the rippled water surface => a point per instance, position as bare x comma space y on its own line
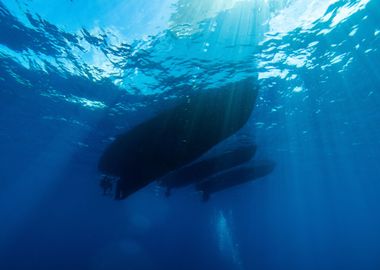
74, 74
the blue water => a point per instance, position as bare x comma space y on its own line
74, 74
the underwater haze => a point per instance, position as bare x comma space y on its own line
74, 74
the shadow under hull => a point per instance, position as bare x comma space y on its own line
234, 177
178, 136
203, 169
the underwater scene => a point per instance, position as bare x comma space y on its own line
190, 134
